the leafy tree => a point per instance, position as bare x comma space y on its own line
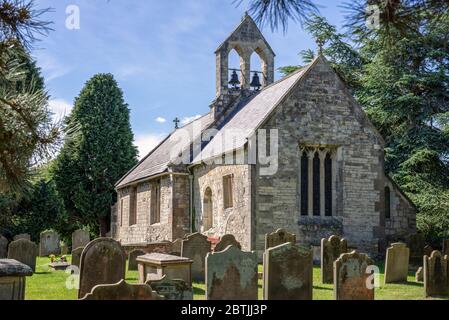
98, 150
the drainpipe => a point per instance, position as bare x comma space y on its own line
191, 200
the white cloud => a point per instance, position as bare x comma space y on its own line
161, 120
146, 142
51, 68
187, 120
60, 108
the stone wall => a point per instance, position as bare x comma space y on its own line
235, 220
320, 112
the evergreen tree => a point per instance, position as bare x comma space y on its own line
98, 150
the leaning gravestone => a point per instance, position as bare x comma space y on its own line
231, 274
49, 243
103, 261
278, 237
436, 275
80, 238
288, 273
25, 236
122, 291
23, 251
132, 256
196, 247
396, 263
331, 249
172, 289
76, 256
419, 275
3, 247
351, 277
225, 241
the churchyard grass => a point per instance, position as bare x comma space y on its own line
47, 284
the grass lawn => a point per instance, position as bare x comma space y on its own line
47, 284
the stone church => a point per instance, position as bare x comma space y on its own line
298, 153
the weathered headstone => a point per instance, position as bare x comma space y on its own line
288, 273
351, 277
416, 243
25, 236
196, 247
103, 261
172, 289
76, 256
122, 291
396, 263
419, 275
132, 256
64, 249
80, 238
331, 249
3, 247
23, 251
446, 247
12, 279
176, 247
278, 237
231, 274
49, 243
225, 241
436, 275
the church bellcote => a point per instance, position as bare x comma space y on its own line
246, 39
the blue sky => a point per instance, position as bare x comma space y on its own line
160, 52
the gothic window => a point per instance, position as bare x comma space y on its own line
304, 184
328, 185
316, 184
155, 212
387, 203
133, 206
122, 204
228, 182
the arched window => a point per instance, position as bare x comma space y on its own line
256, 65
387, 203
234, 69
316, 184
208, 222
328, 185
132, 219
304, 184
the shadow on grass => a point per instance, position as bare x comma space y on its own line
198, 291
323, 288
407, 283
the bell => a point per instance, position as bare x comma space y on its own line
255, 83
234, 79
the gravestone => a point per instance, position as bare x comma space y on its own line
76, 256
288, 273
80, 238
172, 289
64, 249
419, 275
49, 243
3, 247
122, 291
103, 261
428, 250
331, 249
446, 247
416, 243
278, 237
231, 274
396, 263
225, 241
351, 277
12, 279
132, 256
436, 275
25, 236
23, 251
176, 247
196, 247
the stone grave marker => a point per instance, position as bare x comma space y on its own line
172, 289
416, 244
428, 250
231, 274
331, 249
196, 247
103, 261
176, 247
80, 238
351, 277
436, 274
3, 247
12, 279
419, 275
288, 273
25, 236
49, 243
278, 237
396, 263
76, 256
23, 251
122, 291
132, 256
225, 241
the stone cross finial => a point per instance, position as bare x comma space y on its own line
176, 121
